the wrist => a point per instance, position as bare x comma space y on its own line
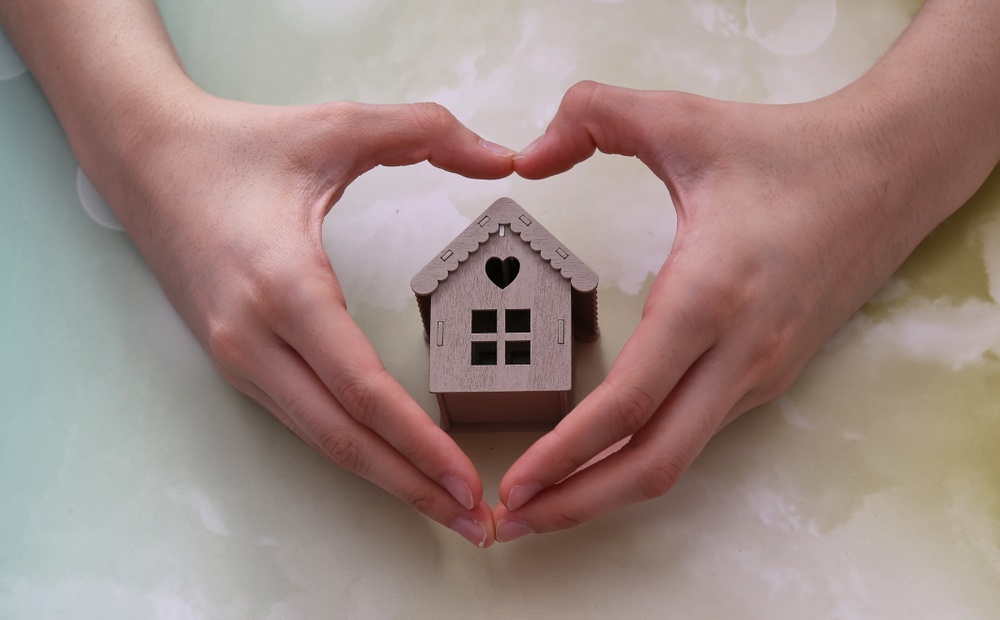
930, 105
119, 141
128, 120
907, 146
108, 69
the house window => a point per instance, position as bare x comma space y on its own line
484, 353
484, 321
517, 321
516, 352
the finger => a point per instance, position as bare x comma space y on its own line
316, 325
291, 391
647, 467
591, 116
668, 341
402, 134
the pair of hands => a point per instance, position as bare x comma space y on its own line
778, 243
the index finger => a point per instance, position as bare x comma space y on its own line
671, 337
593, 116
280, 380
317, 325
409, 133
646, 467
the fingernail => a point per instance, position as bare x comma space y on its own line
528, 150
520, 495
495, 148
508, 530
470, 530
460, 491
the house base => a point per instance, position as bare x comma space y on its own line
502, 411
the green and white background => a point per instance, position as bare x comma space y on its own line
134, 483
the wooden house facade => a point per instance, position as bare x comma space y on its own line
500, 307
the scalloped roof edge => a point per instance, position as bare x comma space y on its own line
505, 211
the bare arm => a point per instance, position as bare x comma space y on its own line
106, 67
789, 219
226, 202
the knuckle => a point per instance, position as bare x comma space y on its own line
660, 476
433, 117
767, 354
295, 407
553, 445
585, 105
416, 449
781, 385
344, 449
287, 295
567, 461
332, 112
580, 96
359, 394
231, 377
773, 390
565, 520
724, 300
702, 311
771, 354
632, 407
607, 114
227, 343
422, 501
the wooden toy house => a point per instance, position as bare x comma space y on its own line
500, 306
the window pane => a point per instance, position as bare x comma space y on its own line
518, 321
484, 321
518, 351
484, 353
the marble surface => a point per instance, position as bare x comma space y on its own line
134, 483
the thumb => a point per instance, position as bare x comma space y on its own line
592, 116
403, 134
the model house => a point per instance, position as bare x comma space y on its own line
500, 307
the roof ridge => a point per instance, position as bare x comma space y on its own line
504, 211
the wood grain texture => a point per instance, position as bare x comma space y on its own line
538, 289
507, 212
503, 410
502, 297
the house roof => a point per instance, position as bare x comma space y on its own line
507, 212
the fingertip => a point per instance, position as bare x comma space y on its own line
497, 149
512, 529
507, 526
521, 494
460, 491
528, 150
498, 162
477, 159
473, 531
476, 526
526, 162
561, 147
486, 517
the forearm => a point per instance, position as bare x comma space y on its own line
935, 101
106, 66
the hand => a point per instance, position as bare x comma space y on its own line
789, 219
226, 201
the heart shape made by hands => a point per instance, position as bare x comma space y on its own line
502, 272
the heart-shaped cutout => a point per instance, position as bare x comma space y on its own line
502, 272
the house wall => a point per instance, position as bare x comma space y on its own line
538, 287
503, 411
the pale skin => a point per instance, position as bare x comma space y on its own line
225, 200
789, 219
